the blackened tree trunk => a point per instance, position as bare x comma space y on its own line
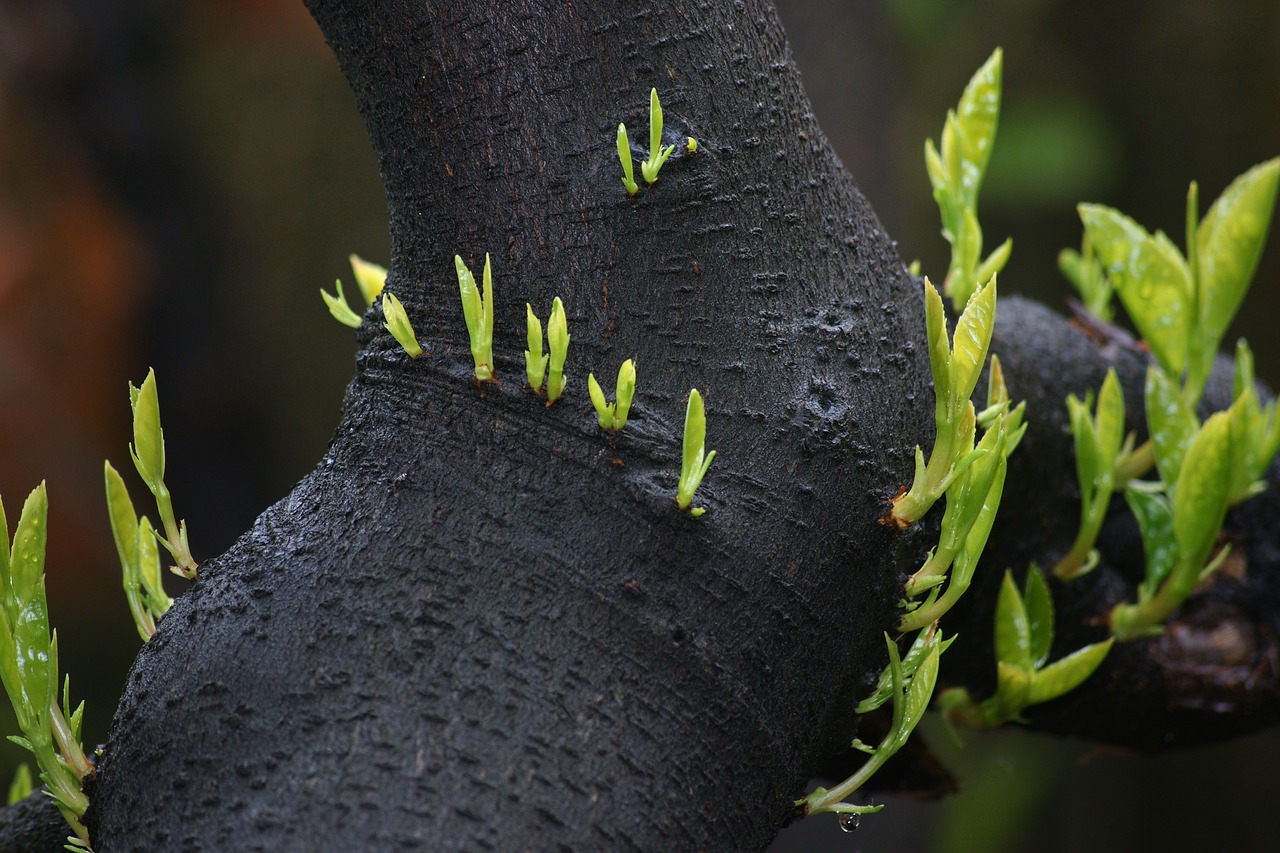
481, 622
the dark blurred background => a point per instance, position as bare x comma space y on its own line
178, 179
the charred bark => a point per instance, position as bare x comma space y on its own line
481, 622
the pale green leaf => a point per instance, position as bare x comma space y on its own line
1155, 523
1200, 501
148, 437
972, 338
1171, 423
1063, 676
1110, 420
1012, 630
1151, 277
1230, 241
976, 117
339, 308
370, 278
1039, 605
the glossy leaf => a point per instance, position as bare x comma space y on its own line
972, 338
1159, 544
148, 438
1229, 243
558, 339
339, 308
1200, 501
624, 156
977, 115
1064, 675
1151, 277
535, 363
1171, 423
939, 348
1012, 630
1038, 602
695, 461
397, 323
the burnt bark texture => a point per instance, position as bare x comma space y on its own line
482, 622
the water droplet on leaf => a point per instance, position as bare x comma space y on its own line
850, 821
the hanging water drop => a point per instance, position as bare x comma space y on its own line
850, 821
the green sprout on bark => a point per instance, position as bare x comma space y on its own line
147, 451
658, 153
694, 460
956, 368
29, 667
397, 323
558, 339
613, 416
1023, 639
691, 146
908, 683
1100, 446
139, 557
478, 311
535, 363
956, 175
370, 278
624, 155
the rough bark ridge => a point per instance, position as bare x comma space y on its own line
481, 623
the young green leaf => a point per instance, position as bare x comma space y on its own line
1230, 241
1171, 423
613, 416
1155, 523
535, 363
339, 308
397, 323
148, 438
1062, 676
558, 338
624, 155
1039, 607
972, 339
370, 278
694, 459
20, 788
1151, 277
1200, 499
477, 310
658, 154
1012, 630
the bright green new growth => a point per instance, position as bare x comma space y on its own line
478, 312
691, 146
147, 451
973, 498
910, 686
1023, 638
613, 416
658, 154
29, 666
370, 278
956, 369
1100, 445
695, 460
956, 176
338, 306
20, 788
397, 323
1181, 305
535, 363
624, 154
558, 339
1085, 273
139, 556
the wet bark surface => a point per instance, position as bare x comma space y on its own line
481, 622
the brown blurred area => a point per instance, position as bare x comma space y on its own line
178, 179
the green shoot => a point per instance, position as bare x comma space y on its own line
558, 339
910, 691
397, 323
1098, 440
956, 369
139, 557
1085, 273
535, 363
370, 278
624, 154
147, 451
658, 154
338, 306
956, 176
1023, 638
613, 416
1180, 526
29, 666
1257, 436
691, 146
478, 311
695, 460
20, 788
